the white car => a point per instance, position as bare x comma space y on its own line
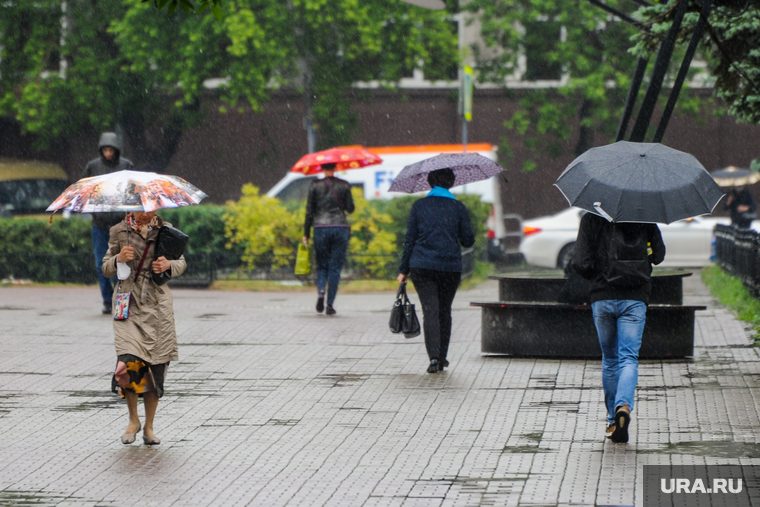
548, 241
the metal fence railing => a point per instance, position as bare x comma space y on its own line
738, 252
202, 268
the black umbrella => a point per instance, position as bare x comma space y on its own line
639, 182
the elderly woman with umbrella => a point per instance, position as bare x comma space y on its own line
628, 188
437, 226
144, 334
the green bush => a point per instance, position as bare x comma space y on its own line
204, 224
36, 250
400, 208
731, 292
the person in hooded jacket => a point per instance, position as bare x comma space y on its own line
110, 160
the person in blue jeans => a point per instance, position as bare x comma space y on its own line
619, 305
328, 201
110, 160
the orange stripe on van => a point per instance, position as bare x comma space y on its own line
425, 148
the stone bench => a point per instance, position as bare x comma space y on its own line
545, 285
556, 330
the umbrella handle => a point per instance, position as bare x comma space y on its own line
604, 214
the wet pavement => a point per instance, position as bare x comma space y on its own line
272, 404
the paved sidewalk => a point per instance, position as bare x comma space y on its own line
272, 404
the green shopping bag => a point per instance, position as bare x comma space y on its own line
303, 259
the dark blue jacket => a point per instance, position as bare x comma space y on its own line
436, 228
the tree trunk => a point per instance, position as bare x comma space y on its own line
152, 147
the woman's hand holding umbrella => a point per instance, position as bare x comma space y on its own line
127, 254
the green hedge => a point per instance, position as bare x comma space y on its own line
35, 250
400, 208
62, 251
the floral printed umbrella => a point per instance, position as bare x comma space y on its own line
345, 158
127, 191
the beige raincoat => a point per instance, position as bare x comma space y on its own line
149, 332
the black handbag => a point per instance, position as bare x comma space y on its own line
403, 316
170, 243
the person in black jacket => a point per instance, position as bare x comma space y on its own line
110, 160
437, 225
618, 304
742, 206
328, 202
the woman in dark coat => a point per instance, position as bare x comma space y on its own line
438, 225
326, 207
742, 206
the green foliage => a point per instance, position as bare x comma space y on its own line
35, 250
188, 6
730, 292
118, 63
478, 211
730, 48
592, 57
398, 209
371, 245
331, 44
266, 230
592, 54
204, 224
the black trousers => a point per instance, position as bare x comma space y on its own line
436, 290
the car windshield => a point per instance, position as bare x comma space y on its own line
29, 196
296, 190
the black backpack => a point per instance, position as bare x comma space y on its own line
627, 256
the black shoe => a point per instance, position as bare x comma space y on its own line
434, 367
106, 308
442, 363
330, 310
622, 421
320, 304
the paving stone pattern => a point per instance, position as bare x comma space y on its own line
272, 404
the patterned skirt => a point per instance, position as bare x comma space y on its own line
138, 376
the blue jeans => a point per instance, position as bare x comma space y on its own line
330, 245
100, 245
619, 324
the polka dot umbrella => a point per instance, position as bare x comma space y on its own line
345, 158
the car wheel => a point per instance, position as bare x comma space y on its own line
563, 259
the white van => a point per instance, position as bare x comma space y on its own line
376, 179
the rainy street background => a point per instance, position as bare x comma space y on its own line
272, 404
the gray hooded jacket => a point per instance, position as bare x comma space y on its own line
99, 166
